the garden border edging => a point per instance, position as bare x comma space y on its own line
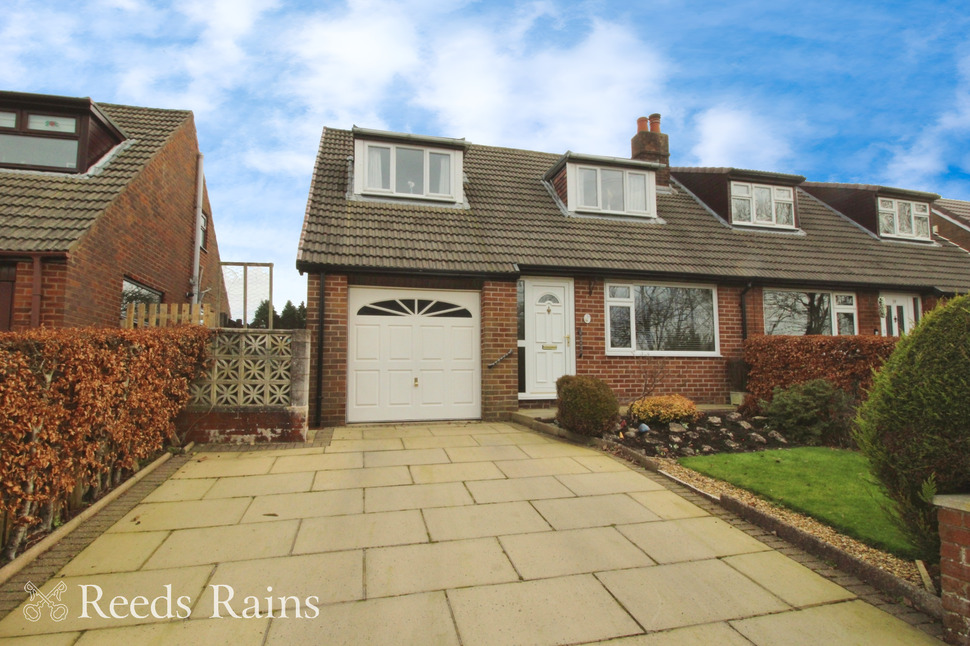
884, 581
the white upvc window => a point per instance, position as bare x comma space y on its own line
405, 170
598, 189
762, 205
904, 219
807, 312
661, 320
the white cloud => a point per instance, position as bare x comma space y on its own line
924, 163
740, 138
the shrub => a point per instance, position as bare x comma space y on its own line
914, 426
664, 409
847, 362
813, 413
586, 405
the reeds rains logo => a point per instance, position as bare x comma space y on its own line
33, 611
165, 605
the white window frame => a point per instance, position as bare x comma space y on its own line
575, 193
630, 301
891, 206
835, 308
777, 197
361, 170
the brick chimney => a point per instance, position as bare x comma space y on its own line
649, 144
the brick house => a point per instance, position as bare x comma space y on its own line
951, 219
448, 280
100, 204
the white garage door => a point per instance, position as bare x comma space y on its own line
413, 355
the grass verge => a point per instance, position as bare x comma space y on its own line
831, 485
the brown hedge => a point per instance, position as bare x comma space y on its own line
847, 362
79, 407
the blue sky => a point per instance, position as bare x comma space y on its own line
871, 92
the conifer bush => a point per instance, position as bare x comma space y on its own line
586, 405
914, 426
812, 413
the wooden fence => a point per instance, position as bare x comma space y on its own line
166, 314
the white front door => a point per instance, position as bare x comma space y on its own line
413, 355
900, 313
548, 310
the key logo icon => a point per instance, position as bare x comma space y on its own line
52, 600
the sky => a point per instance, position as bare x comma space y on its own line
863, 92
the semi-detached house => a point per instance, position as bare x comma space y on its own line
449, 280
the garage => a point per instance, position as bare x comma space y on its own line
413, 355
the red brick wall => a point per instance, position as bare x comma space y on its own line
333, 403
703, 379
500, 385
146, 234
53, 300
955, 572
244, 425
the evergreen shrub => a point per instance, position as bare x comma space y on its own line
586, 405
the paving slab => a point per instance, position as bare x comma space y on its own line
598, 463
358, 478
410, 620
432, 442
667, 504
594, 484
460, 472
416, 496
394, 432
841, 624
48, 639
249, 632
691, 539
577, 551
216, 465
683, 594
498, 439
425, 567
468, 429
383, 444
318, 462
292, 582
115, 553
508, 490
405, 457
474, 521
182, 515
593, 511
540, 467
260, 485
482, 453
186, 547
716, 634
178, 490
305, 505
360, 531
558, 450
791, 581
564, 610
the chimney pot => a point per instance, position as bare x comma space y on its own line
643, 124
655, 122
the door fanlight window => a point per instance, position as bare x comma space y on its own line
415, 307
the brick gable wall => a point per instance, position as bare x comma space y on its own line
147, 234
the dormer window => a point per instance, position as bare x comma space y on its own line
38, 140
611, 190
407, 171
45, 133
762, 205
904, 219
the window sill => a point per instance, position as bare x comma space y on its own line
687, 355
764, 226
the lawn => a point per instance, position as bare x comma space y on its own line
830, 485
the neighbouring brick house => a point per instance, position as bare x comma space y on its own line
952, 221
449, 280
100, 203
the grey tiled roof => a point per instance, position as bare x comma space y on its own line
515, 224
957, 209
44, 211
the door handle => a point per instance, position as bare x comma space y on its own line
567, 340
415, 382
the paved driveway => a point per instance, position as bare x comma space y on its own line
474, 534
